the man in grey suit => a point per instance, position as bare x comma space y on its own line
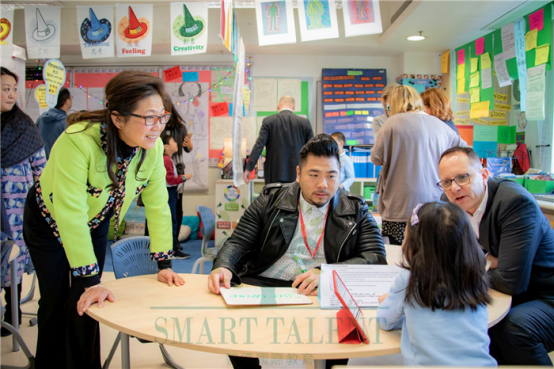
283, 135
519, 243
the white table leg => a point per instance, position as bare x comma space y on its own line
125, 354
15, 304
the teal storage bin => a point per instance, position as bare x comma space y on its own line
536, 186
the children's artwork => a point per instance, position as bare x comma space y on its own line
361, 17
191, 100
6, 34
96, 31
275, 21
318, 19
134, 29
42, 27
189, 28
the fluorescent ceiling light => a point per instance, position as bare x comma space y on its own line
419, 37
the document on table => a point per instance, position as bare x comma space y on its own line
263, 296
365, 282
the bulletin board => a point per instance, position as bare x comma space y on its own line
351, 98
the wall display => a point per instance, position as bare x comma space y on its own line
6, 34
134, 29
351, 99
96, 31
42, 27
223, 81
420, 82
318, 19
361, 17
275, 20
189, 28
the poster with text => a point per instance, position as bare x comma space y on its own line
318, 19
42, 31
189, 28
361, 17
96, 31
275, 21
6, 34
135, 23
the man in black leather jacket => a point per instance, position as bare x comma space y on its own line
269, 235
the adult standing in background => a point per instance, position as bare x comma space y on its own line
283, 135
52, 123
438, 105
408, 147
23, 160
347, 175
380, 120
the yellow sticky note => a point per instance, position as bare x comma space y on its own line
485, 61
474, 62
531, 39
474, 95
445, 61
480, 109
474, 81
461, 83
541, 54
461, 72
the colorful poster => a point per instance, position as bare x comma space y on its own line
223, 81
361, 17
189, 28
96, 31
275, 21
318, 19
134, 29
6, 34
42, 27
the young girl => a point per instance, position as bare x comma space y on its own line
440, 299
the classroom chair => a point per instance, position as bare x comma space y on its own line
131, 257
207, 219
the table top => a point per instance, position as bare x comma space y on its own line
14, 253
191, 317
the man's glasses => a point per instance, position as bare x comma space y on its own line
151, 120
460, 179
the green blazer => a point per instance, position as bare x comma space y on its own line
75, 189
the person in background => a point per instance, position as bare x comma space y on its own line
23, 160
378, 121
102, 161
408, 147
443, 281
347, 175
519, 243
437, 104
52, 123
291, 229
173, 180
283, 135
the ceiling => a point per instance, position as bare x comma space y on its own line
446, 24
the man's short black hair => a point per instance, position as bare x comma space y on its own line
472, 155
321, 145
62, 97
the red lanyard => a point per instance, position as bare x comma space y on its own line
303, 227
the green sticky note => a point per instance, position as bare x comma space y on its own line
507, 134
354, 73
350, 112
485, 133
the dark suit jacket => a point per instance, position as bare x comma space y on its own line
515, 230
283, 135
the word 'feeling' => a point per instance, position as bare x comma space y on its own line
133, 51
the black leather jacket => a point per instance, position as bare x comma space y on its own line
266, 229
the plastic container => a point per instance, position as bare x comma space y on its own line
537, 186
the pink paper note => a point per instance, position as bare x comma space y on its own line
536, 20
479, 46
461, 56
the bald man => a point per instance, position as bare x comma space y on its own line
283, 135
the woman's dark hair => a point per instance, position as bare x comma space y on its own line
322, 145
7, 72
446, 263
123, 93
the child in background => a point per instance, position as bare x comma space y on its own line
173, 180
439, 298
347, 175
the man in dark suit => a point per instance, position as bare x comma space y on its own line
283, 135
519, 243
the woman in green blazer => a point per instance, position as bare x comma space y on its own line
102, 161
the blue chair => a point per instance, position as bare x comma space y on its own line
131, 258
208, 226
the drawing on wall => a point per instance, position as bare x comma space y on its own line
274, 22
361, 17
43, 30
132, 29
188, 27
94, 30
361, 11
317, 14
5, 28
192, 104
